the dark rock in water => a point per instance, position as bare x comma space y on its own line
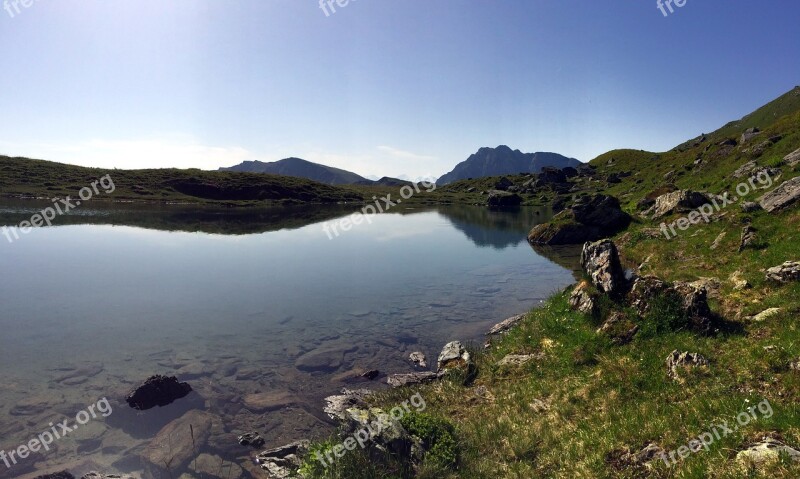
97, 475
158, 391
283, 462
252, 439
372, 374
58, 475
499, 198
589, 219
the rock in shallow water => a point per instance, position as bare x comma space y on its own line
158, 391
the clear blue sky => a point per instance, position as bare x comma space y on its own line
380, 87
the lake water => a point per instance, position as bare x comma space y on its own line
239, 303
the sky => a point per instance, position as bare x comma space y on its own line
382, 88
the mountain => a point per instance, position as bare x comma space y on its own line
301, 169
385, 181
504, 161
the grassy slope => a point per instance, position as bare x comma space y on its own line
601, 399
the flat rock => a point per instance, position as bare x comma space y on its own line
269, 401
764, 315
785, 273
178, 442
792, 158
336, 406
408, 379
781, 197
767, 450
517, 359
678, 201
327, 359
206, 465
283, 462
506, 325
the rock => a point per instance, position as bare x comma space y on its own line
748, 238
499, 199
589, 219
506, 325
792, 158
157, 391
765, 451
335, 406
766, 314
549, 176
749, 134
419, 359
389, 435
325, 359
252, 439
57, 475
177, 443
97, 475
745, 169
503, 184
644, 290
695, 306
600, 261
569, 171
283, 462
622, 459
372, 374
678, 201
409, 379
739, 283
717, 242
677, 360
785, 273
268, 401
79, 375
619, 328
206, 465
454, 356
584, 300
517, 359
781, 197
750, 207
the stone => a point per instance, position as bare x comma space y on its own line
500, 199
644, 290
283, 462
206, 465
97, 475
785, 273
750, 207
584, 300
518, 359
454, 355
781, 197
748, 238
177, 443
418, 359
336, 406
372, 374
252, 439
600, 261
739, 283
619, 328
745, 169
57, 475
157, 391
717, 242
506, 325
269, 401
409, 379
677, 360
503, 184
589, 219
678, 201
695, 306
749, 134
767, 450
792, 158
766, 314
326, 359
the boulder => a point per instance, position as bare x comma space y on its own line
600, 261
500, 199
677, 360
781, 197
767, 450
503, 184
409, 379
549, 176
252, 439
583, 299
749, 134
785, 273
792, 158
745, 169
678, 201
619, 328
694, 300
336, 406
589, 219
748, 238
283, 462
206, 465
454, 356
506, 325
177, 443
157, 391
418, 359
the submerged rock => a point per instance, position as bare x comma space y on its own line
252, 439
158, 391
57, 475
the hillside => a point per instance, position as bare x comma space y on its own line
504, 161
608, 393
27, 178
301, 169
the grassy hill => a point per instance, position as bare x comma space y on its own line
588, 407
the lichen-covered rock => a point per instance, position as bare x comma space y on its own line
336, 406
506, 325
792, 158
683, 360
419, 359
453, 355
518, 359
781, 197
501, 199
583, 299
644, 290
765, 451
589, 219
283, 462
748, 238
678, 201
409, 379
785, 273
600, 261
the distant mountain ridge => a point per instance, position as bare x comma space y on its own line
504, 161
301, 169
